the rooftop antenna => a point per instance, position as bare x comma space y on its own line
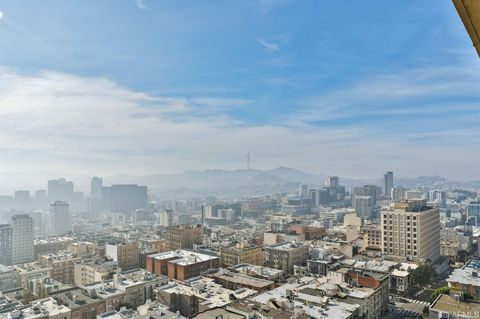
248, 160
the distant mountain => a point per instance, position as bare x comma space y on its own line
217, 182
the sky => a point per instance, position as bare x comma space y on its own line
349, 88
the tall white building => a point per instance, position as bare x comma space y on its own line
96, 185
411, 229
22, 239
60, 220
332, 181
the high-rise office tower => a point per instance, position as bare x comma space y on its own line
303, 190
363, 206
60, 221
22, 239
124, 198
60, 189
473, 213
372, 191
5, 244
388, 183
22, 197
96, 187
438, 196
398, 193
332, 181
411, 229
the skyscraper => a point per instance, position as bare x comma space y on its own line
388, 184
60, 221
22, 239
60, 189
96, 187
303, 190
124, 198
5, 244
473, 212
363, 206
332, 181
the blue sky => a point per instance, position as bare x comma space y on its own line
351, 88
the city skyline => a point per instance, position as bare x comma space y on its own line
153, 88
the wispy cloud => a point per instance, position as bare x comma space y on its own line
407, 91
269, 47
141, 4
89, 124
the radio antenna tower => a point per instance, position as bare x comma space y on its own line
248, 160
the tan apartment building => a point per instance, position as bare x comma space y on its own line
411, 230
241, 254
183, 237
125, 254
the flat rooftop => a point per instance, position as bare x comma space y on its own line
183, 257
242, 279
468, 275
447, 304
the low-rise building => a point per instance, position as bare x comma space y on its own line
81, 305
285, 255
259, 272
125, 254
197, 295
233, 280
240, 253
9, 278
466, 280
93, 270
181, 264
447, 307
62, 265
51, 245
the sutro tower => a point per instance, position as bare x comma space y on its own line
248, 160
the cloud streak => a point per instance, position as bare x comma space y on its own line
141, 4
268, 47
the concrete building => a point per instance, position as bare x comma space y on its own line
198, 295
388, 184
363, 206
183, 237
285, 255
411, 229
6, 244
233, 280
22, 239
124, 198
60, 220
9, 278
240, 253
93, 270
51, 244
374, 235
181, 264
62, 265
81, 305
125, 254
259, 272
60, 190
466, 280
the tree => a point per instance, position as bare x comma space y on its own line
440, 291
424, 274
